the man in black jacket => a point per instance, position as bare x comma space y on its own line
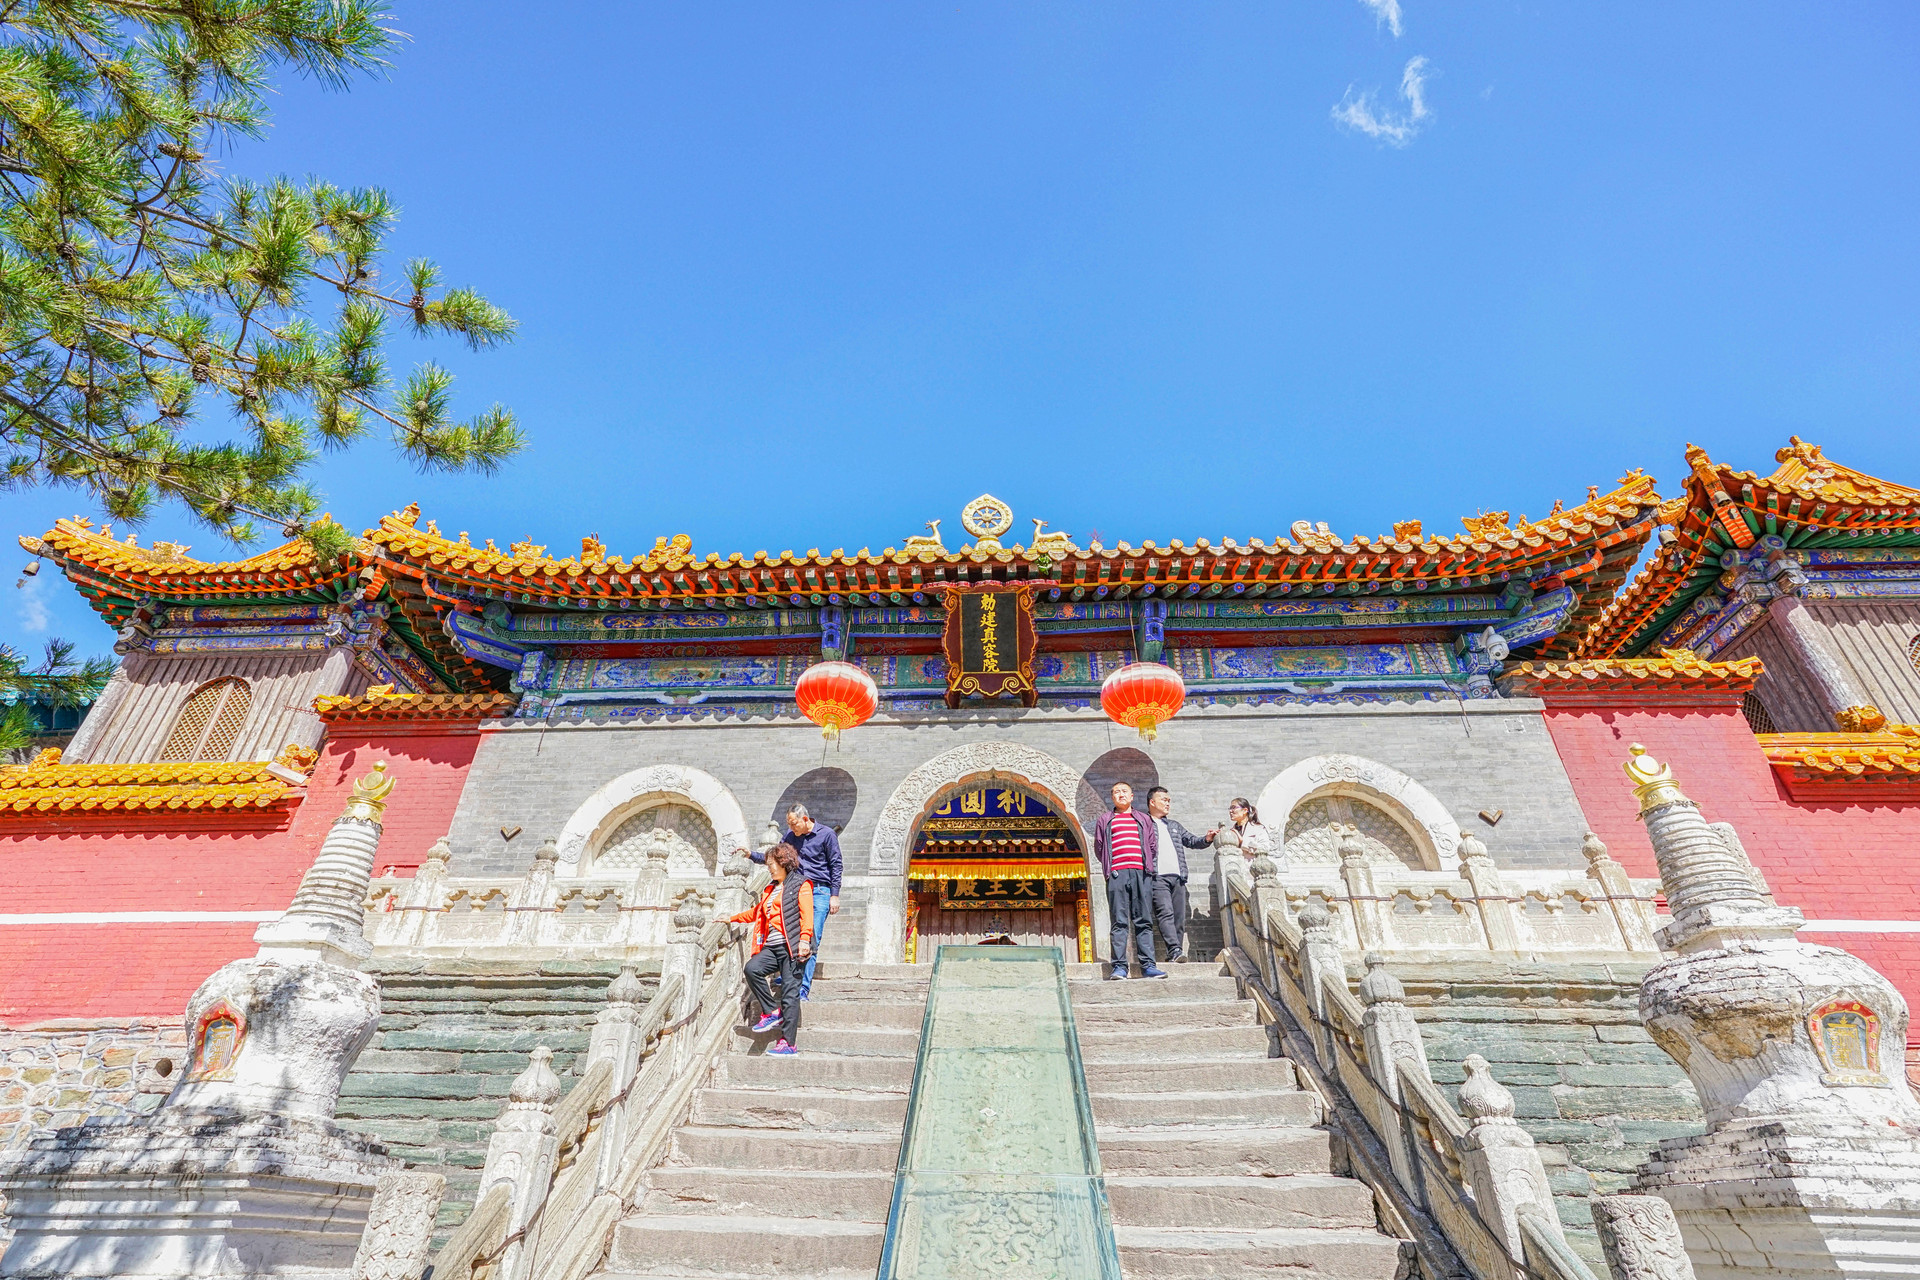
1168, 875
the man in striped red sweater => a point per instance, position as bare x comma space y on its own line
1128, 847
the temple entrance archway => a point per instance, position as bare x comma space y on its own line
987, 767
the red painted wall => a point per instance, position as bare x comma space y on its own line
429, 767
1835, 859
176, 863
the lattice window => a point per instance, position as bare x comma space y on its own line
1316, 827
1913, 652
680, 834
210, 721
1758, 718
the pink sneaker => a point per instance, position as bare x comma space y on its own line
768, 1021
783, 1050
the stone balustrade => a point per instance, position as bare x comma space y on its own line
1400, 911
1466, 1184
540, 914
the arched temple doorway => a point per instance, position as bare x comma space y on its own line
992, 860
901, 840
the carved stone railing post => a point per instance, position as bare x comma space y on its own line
1498, 1158
1321, 961
1267, 896
1497, 911
1640, 1237
731, 898
684, 960
427, 894
618, 1039
1393, 1045
1229, 861
399, 1226
1363, 893
1631, 916
521, 1155
530, 901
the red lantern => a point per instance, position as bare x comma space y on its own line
1143, 696
836, 696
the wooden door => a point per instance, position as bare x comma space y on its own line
1057, 926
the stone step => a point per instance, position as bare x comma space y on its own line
1178, 987
1298, 1253
1167, 1045
852, 1042
802, 1109
1144, 1015
754, 1193
1239, 1204
861, 970
883, 990
833, 1150
1247, 1106
711, 1244
1200, 1151
1181, 1075
899, 1015
812, 1070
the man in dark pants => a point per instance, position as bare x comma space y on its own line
1170, 872
1126, 845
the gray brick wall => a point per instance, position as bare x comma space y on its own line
1493, 754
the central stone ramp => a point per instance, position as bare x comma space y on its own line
999, 1173
1216, 1163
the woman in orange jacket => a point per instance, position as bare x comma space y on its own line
783, 935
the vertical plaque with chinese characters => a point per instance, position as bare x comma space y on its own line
989, 642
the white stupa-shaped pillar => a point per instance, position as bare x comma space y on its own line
1810, 1165
243, 1171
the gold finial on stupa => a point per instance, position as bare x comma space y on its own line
369, 799
1654, 783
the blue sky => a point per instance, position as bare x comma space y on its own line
809, 276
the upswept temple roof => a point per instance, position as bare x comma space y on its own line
1588, 548
1674, 673
1808, 503
428, 576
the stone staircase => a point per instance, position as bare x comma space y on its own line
449, 1044
1214, 1161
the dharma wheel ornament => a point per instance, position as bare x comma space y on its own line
1143, 696
836, 696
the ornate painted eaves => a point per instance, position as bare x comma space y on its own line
378, 706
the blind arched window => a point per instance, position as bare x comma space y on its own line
210, 721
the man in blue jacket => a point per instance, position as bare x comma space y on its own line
1169, 872
819, 850
1127, 847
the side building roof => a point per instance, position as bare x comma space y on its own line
1808, 502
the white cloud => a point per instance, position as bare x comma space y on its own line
1359, 112
1386, 11
32, 612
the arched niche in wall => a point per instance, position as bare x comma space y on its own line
1395, 818
684, 812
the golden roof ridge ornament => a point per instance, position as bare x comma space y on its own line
1654, 783
986, 518
369, 799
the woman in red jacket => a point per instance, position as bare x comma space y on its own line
782, 939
